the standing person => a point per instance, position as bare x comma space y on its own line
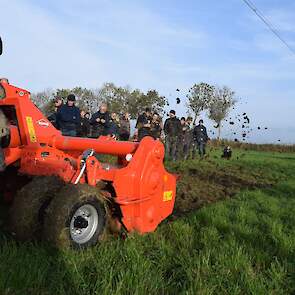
181, 136
143, 124
68, 117
124, 131
188, 138
200, 138
100, 121
85, 124
114, 125
87, 116
156, 126
172, 128
58, 103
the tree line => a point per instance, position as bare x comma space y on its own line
215, 100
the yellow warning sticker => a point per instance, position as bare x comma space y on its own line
168, 196
31, 128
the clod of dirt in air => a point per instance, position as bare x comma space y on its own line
178, 100
177, 89
216, 126
247, 119
258, 128
244, 134
265, 128
236, 140
279, 140
244, 114
232, 123
243, 126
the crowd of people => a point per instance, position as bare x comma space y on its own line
182, 137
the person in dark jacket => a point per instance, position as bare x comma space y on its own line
143, 124
68, 117
180, 143
172, 129
185, 135
114, 126
85, 124
200, 139
156, 126
100, 122
124, 131
52, 117
188, 138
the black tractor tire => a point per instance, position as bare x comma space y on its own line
69, 218
26, 214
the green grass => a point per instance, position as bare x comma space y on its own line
239, 245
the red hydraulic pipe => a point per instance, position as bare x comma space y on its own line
102, 145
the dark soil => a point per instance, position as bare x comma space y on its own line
203, 182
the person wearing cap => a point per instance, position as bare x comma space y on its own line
68, 117
143, 124
172, 130
200, 139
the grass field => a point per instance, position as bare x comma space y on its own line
233, 232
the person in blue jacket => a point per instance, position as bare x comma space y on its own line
68, 117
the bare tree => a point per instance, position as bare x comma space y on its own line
221, 103
43, 99
199, 98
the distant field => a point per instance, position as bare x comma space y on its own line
232, 232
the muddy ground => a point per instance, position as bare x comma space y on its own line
205, 181
202, 182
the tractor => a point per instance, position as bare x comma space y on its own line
69, 191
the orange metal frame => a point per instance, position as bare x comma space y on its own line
144, 190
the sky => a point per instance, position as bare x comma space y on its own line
164, 45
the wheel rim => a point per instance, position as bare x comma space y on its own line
84, 224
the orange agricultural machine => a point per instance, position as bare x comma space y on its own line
63, 191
